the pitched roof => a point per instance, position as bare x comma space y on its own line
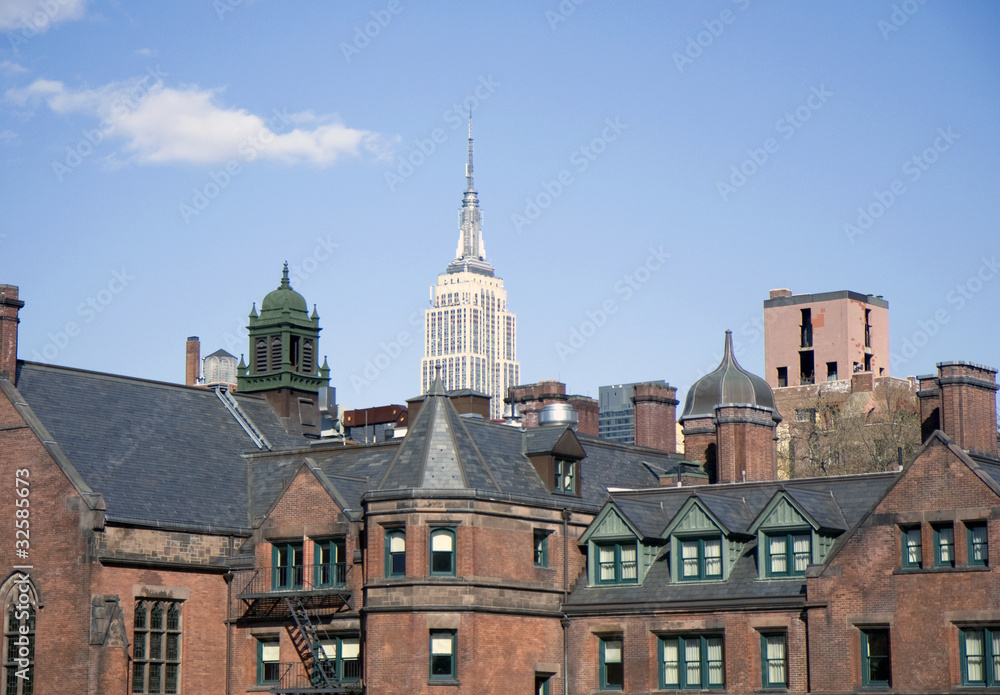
161, 454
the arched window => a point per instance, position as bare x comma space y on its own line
19, 637
156, 647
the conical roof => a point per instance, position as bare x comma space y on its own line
728, 384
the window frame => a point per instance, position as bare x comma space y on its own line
337, 673
905, 545
540, 550
866, 658
262, 641
990, 655
765, 660
618, 577
337, 547
293, 571
143, 637
604, 681
391, 556
12, 628
940, 543
789, 553
559, 486
704, 665
447, 532
452, 674
970, 531
702, 558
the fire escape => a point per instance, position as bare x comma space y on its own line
300, 597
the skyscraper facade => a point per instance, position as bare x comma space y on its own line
468, 331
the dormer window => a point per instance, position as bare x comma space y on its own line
617, 563
701, 558
565, 483
787, 554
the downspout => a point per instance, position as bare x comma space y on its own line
565, 621
228, 578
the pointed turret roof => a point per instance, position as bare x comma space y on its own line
438, 452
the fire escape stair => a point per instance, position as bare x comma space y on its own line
307, 644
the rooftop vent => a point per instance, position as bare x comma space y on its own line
557, 414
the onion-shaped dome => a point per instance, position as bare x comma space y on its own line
728, 384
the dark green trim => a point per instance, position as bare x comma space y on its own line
443, 667
438, 559
395, 569
877, 665
679, 641
789, 553
618, 576
983, 547
765, 662
541, 548
286, 574
702, 559
907, 534
261, 675
332, 571
613, 678
942, 541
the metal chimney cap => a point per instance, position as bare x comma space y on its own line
557, 414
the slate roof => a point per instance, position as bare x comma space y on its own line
736, 504
159, 453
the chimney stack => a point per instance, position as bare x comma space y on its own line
193, 361
962, 402
655, 415
9, 307
589, 411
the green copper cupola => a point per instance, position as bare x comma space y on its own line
284, 344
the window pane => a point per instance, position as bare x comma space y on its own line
612, 651
979, 545
714, 649
138, 677
946, 540
269, 651
689, 555
974, 656
914, 554
350, 648
441, 665
628, 559
397, 543
692, 659
156, 618
713, 557
670, 671
776, 548
607, 562
441, 645
800, 548
775, 649
441, 541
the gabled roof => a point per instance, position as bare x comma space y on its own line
161, 454
818, 508
558, 440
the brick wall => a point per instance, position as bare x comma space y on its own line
655, 416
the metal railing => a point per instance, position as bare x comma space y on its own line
292, 677
261, 581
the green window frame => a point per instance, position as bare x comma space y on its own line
565, 483
944, 545
612, 667
330, 563
876, 658
268, 667
980, 654
617, 563
286, 566
911, 546
699, 558
341, 658
692, 662
787, 554
774, 659
543, 684
977, 534
443, 655
541, 549
442, 551
395, 552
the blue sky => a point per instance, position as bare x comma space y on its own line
647, 171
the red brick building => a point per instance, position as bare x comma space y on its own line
189, 540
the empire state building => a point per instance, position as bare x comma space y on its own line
468, 331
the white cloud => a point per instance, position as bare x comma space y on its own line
147, 52
161, 124
8, 137
38, 15
9, 68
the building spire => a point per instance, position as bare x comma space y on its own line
470, 239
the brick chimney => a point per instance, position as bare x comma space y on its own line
193, 361
962, 402
655, 415
9, 307
746, 443
530, 398
588, 411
